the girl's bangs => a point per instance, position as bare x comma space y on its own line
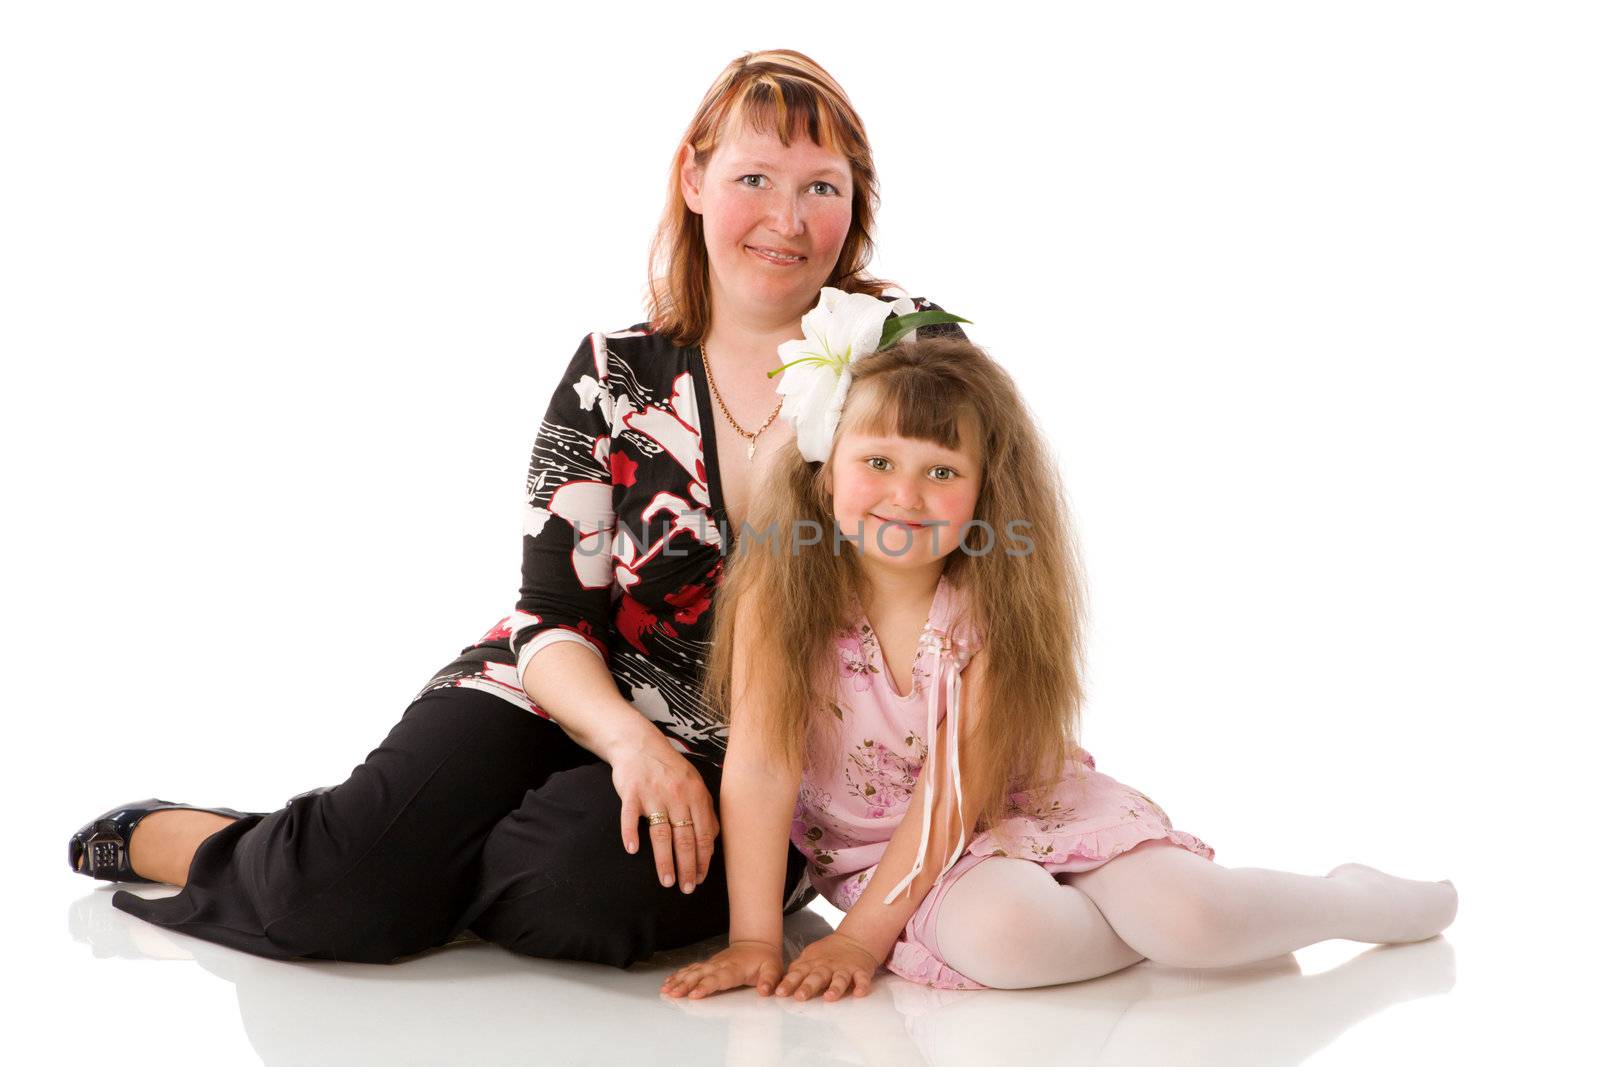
914, 406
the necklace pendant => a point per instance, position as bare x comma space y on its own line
750, 452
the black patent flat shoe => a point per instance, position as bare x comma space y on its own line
100, 848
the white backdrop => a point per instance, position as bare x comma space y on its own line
1304, 298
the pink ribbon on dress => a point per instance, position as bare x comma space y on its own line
952, 688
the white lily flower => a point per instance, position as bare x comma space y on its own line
842, 328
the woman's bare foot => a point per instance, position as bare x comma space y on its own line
1398, 909
164, 842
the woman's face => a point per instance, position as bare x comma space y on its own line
774, 217
907, 498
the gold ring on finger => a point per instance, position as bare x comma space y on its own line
683, 822
656, 818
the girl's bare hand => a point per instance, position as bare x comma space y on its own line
830, 967
741, 963
650, 777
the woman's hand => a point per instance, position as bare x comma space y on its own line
652, 776
741, 963
830, 966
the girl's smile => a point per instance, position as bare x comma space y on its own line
901, 522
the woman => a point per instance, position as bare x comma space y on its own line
494, 805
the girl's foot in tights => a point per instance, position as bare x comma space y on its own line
1401, 909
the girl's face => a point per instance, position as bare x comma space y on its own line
774, 219
908, 499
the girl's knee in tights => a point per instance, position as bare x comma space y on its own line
1009, 924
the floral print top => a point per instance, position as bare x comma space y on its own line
843, 821
624, 534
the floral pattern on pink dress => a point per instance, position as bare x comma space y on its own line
844, 819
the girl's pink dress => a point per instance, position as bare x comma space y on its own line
843, 822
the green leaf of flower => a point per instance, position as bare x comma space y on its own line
898, 326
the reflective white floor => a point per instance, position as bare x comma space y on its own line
159, 997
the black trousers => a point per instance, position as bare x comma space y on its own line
471, 815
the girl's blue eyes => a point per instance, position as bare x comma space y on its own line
874, 459
754, 181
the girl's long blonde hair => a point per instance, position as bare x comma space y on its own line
780, 91
1027, 607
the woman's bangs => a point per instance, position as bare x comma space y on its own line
772, 104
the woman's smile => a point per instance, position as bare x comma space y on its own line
778, 257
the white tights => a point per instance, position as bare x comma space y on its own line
1009, 924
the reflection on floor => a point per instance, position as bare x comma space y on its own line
477, 1003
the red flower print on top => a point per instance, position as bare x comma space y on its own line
623, 469
500, 629
633, 620
691, 601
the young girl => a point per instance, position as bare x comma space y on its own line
913, 680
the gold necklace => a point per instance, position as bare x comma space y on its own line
750, 451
